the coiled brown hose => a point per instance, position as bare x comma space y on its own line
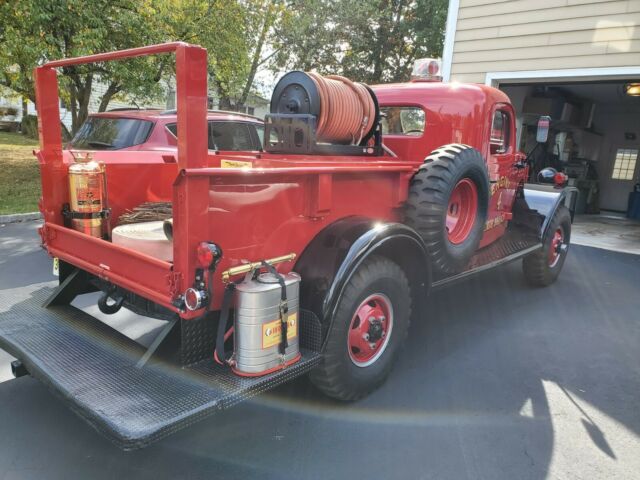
347, 111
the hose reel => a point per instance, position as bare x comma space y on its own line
309, 110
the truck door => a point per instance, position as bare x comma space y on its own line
503, 167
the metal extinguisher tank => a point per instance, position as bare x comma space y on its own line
87, 196
258, 324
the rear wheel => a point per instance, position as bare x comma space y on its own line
369, 327
448, 204
542, 268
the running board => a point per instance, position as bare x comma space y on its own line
93, 368
514, 244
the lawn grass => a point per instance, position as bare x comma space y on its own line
19, 174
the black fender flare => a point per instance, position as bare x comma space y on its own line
536, 204
331, 258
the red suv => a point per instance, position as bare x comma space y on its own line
156, 130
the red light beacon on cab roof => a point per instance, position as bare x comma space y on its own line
427, 70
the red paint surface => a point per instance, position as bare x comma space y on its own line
361, 347
461, 211
275, 208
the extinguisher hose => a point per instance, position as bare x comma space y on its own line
223, 334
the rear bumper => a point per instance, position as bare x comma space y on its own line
93, 369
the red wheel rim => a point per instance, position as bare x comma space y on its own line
461, 211
555, 248
370, 330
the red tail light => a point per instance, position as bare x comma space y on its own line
205, 255
560, 179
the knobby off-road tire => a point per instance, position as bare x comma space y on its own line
542, 267
379, 288
446, 173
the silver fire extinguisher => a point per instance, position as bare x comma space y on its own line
266, 325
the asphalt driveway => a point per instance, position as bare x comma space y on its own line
499, 381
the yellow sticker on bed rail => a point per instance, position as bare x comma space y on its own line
235, 164
272, 331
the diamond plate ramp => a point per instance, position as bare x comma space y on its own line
92, 368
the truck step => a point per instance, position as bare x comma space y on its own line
514, 244
93, 368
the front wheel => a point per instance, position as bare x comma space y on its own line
369, 327
542, 267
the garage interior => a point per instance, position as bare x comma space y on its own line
594, 138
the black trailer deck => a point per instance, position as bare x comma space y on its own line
92, 367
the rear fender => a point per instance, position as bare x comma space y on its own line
329, 261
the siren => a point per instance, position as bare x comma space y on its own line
427, 70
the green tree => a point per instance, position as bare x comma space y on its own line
37, 31
367, 40
217, 25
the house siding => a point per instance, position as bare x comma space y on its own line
518, 35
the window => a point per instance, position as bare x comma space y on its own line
230, 136
625, 164
260, 132
102, 133
403, 121
499, 139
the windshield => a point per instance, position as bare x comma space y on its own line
99, 133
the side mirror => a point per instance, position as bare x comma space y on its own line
542, 133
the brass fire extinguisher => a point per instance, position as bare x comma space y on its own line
88, 196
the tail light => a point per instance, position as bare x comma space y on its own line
208, 255
195, 299
560, 179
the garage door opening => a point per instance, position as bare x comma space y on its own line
595, 139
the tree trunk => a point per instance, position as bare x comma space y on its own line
225, 103
113, 89
25, 107
255, 61
82, 98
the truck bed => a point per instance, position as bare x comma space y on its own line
92, 368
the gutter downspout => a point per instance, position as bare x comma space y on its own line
449, 39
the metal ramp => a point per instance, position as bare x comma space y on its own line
93, 369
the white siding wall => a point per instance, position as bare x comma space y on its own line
517, 35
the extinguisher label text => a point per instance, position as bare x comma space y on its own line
272, 331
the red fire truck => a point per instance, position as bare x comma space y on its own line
311, 256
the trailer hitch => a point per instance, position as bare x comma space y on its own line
110, 308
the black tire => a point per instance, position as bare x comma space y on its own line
539, 270
428, 201
338, 376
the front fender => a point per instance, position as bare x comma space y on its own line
536, 205
329, 261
